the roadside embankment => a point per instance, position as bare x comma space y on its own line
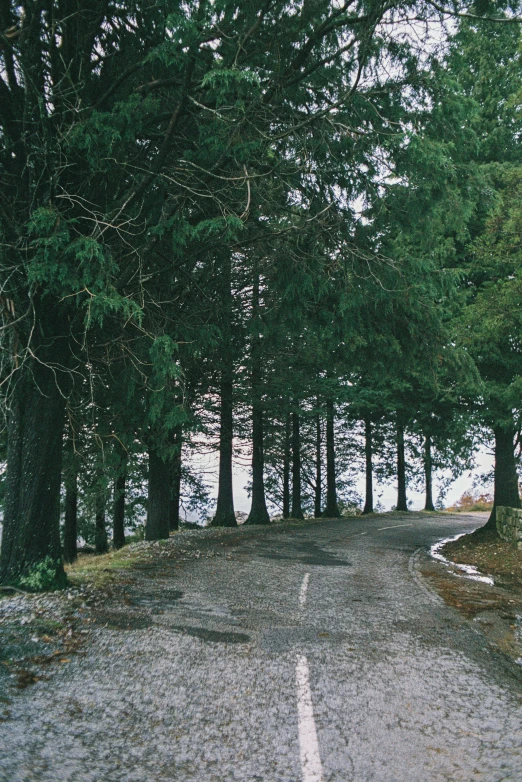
495, 607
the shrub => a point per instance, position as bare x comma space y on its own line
472, 501
42, 577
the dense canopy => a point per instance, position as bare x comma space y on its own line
288, 227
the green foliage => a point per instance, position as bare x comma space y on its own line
212, 145
42, 576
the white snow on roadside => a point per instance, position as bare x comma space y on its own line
467, 571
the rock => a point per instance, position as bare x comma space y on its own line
509, 524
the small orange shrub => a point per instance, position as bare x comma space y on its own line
472, 501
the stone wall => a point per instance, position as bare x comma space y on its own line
509, 524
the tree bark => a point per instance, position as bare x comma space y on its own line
31, 526
175, 489
286, 469
101, 543
402, 503
506, 492
318, 467
296, 512
225, 515
428, 469
258, 511
70, 530
332, 509
368, 453
158, 506
118, 517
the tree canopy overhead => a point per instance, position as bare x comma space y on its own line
213, 212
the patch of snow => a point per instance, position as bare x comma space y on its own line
467, 571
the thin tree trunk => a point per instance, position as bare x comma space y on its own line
70, 530
225, 515
318, 467
402, 503
332, 509
118, 518
158, 503
101, 543
506, 492
428, 469
296, 512
286, 469
31, 525
368, 453
120, 484
258, 511
175, 490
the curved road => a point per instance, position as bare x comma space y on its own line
298, 653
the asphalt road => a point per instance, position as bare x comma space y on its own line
307, 653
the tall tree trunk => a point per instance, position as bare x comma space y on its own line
286, 469
258, 511
31, 526
101, 543
158, 504
368, 453
296, 512
70, 476
332, 509
118, 511
506, 479
225, 515
175, 489
428, 469
118, 518
402, 503
318, 467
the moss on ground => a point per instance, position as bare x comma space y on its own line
102, 569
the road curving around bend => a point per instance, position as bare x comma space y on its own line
313, 652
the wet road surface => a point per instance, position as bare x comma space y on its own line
299, 653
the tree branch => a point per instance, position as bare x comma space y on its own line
475, 17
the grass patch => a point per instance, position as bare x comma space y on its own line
101, 569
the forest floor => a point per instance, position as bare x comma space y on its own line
313, 650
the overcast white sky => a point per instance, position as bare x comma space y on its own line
385, 494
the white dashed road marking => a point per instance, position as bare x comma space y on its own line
303, 590
395, 526
309, 747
